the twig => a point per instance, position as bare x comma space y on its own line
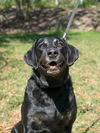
87, 129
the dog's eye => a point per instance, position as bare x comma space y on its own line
60, 45
42, 46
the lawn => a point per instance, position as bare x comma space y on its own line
14, 74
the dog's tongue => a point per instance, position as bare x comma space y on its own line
53, 67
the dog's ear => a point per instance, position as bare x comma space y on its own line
30, 58
73, 55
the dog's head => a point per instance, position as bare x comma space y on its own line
51, 55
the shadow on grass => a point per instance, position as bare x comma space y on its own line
5, 39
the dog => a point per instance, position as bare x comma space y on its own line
49, 104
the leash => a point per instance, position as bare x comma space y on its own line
71, 18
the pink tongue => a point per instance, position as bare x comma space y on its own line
52, 67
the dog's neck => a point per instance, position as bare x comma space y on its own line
48, 81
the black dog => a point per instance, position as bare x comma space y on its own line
49, 103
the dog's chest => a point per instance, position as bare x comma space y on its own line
54, 101
54, 108
50, 112
44, 103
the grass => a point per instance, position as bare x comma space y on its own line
42, 4
85, 74
7, 3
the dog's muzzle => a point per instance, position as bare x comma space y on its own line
53, 67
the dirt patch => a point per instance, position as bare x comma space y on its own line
50, 18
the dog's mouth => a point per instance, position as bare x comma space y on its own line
53, 67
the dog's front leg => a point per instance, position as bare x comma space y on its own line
28, 107
27, 113
27, 126
68, 129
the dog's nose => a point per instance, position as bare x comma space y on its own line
52, 53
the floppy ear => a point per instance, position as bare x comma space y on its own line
73, 55
30, 58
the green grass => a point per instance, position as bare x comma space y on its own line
85, 73
7, 3
87, 3
42, 4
